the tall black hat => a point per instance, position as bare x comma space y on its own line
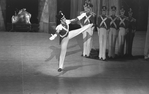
130, 11
113, 8
60, 15
88, 3
104, 8
122, 9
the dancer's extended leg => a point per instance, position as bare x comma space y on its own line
76, 32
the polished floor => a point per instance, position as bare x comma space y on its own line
29, 62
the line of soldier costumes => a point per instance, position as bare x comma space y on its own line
120, 28
114, 27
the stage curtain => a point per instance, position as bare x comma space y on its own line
48, 13
44, 19
2, 14
146, 48
76, 7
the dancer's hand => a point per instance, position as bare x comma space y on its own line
53, 36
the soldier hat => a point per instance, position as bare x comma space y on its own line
60, 15
88, 4
130, 11
122, 9
113, 8
104, 8
24, 9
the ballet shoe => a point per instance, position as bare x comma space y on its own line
60, 69
146, 57
87, 56
104, 59
100, 58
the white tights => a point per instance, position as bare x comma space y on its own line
65, 41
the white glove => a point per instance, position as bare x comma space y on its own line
53, 36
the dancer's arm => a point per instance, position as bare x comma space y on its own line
53, 36
78, 18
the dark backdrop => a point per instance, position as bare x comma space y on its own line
140, 12
15, 5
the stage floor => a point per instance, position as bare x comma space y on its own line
29, 62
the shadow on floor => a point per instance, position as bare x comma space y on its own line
94, 55
56, 52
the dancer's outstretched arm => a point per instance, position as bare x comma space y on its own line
53, 36
76, 32
78, 18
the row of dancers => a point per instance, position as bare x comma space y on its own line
115, 29
112, 27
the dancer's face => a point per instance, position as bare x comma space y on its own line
113, 12
122, 13
63, 20
86, 9
90, 9
103, 12
130, 14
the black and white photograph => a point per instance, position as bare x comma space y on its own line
74, 47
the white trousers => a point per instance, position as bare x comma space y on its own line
113, 34
102, 33
146, 48
121, 41
65, 41
87, 41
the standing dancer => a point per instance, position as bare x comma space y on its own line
131, 33
123, 28
63, 30
87, 35
146, 48
113, 33
103, 25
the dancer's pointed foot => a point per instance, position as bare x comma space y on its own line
146, 57
60, 69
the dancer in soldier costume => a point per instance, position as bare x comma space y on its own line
113, 32
103, 26
63, 30
87, 35
123, 29
131, 33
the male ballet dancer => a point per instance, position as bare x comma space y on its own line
87, 35
103, 26
63, 30
131, 33
113, 32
